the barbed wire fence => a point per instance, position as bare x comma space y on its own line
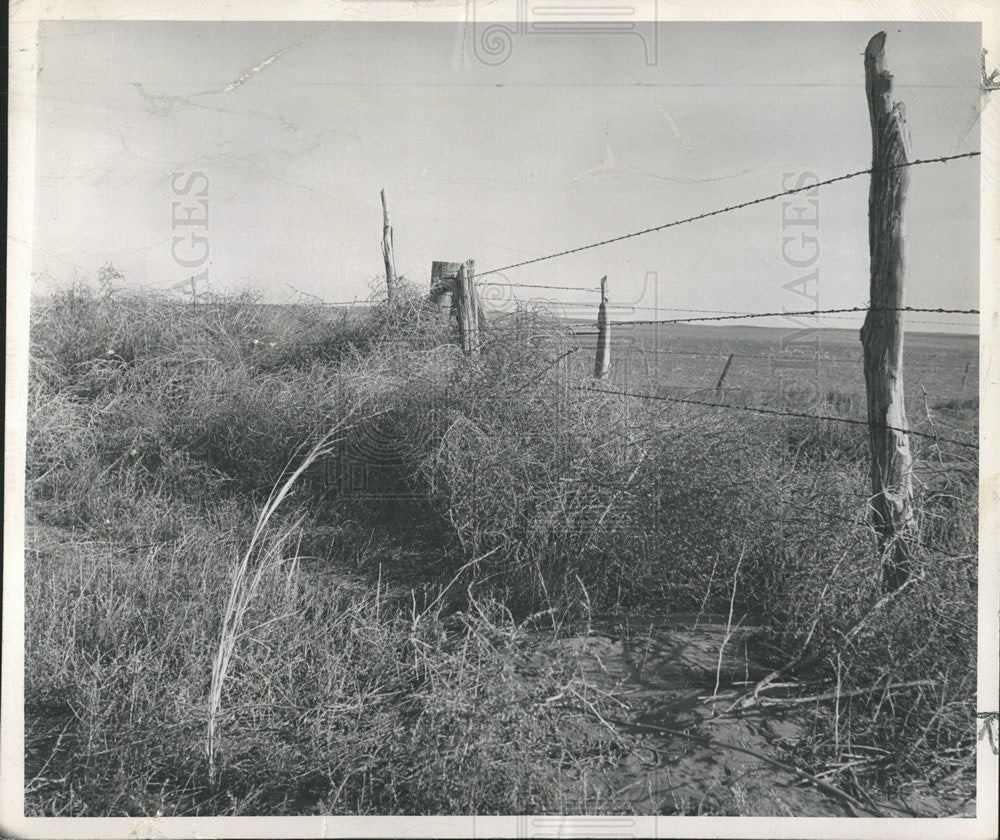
842, 313
838, 312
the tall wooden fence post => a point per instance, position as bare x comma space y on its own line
602, 362
882, 333
468, 309
387, 254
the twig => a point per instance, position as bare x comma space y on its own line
835, 695
849, 801
597, 714
880, 604
300, 293
452, 581
729, 621
614, 498
800, 658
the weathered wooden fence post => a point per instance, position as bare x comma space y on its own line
882, 333
387, 255
444, 275
722, 376
602, 362
961, 387
468, 309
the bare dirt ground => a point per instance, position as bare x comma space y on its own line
684, 753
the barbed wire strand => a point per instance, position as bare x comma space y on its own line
613, 305
829, 313
854, 360
802, 313
777, 413
677, 222
539, 286
730, 208
573, 304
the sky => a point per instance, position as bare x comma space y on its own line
574, 138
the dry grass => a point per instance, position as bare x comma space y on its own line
345, 639
265, 555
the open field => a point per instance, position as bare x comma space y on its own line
491, 590
802, 362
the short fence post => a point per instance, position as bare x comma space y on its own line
444, 276
468, 309
722, 377
961, 387
882, 333
602, 362
387, 255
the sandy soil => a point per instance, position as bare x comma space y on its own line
662, 672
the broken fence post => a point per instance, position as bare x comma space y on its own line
387, 255
722, 377
444, 275
602, 361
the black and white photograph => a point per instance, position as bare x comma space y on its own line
517, 419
